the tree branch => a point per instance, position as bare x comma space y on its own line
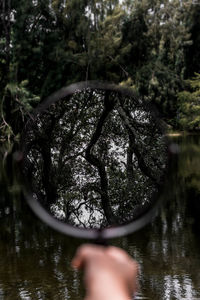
93, 160
146, 170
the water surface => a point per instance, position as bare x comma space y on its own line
35, 260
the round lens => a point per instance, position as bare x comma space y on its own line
94, 160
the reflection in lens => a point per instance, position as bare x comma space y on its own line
95, 158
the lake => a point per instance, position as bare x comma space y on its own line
35, 260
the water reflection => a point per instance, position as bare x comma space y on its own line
179, 287
96, 158
35, 261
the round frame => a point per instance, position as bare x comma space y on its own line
94, 234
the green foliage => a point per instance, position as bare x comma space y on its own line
189, 105
22, 101
192, 53
22, 96
154, 35
148, 45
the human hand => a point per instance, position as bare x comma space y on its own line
110, 273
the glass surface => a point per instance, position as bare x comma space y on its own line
35, 260
95, 158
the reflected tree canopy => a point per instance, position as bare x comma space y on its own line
95, 158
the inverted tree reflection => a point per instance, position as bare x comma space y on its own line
95, 158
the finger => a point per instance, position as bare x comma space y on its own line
84, 253
130, 265
123, 257
118, 253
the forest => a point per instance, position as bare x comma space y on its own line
149, 46
96, 157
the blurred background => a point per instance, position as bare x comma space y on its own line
151, 47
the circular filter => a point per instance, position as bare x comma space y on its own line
94, 160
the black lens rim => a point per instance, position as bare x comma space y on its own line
93, 234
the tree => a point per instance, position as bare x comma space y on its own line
49, 44
192, 56
189, 105
156, 34
97, 158
5, 31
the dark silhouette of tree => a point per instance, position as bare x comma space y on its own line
95, 158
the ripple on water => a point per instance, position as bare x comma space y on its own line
179, 287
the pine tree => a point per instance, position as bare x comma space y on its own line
189, 105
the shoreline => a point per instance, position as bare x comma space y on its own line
181, 133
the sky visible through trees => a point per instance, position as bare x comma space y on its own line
150, 46
96, 157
